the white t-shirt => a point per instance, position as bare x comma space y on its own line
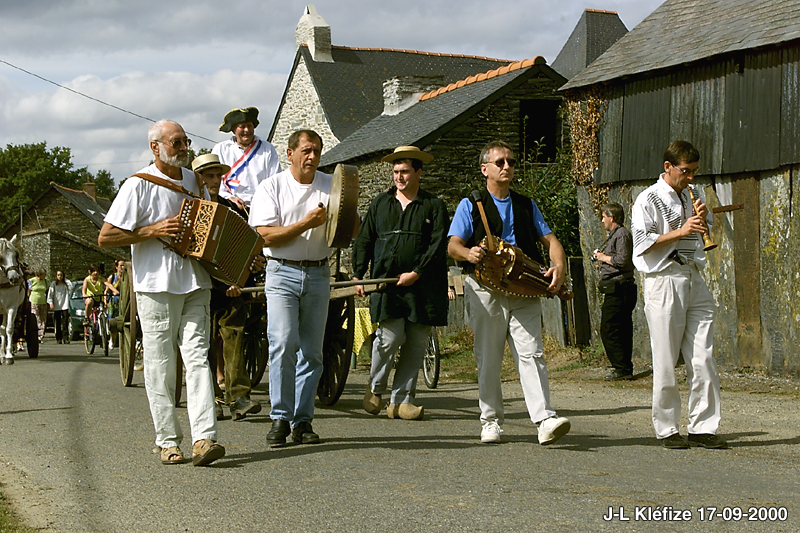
263, 164
156, 268
283, 201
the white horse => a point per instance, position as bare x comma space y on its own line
12, 294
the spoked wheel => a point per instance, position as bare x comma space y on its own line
256, 345
430, 364
105, 336
88, 338
127, 325
337, 348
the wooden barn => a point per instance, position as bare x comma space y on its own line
724, 75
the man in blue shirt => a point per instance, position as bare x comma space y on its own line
496, 318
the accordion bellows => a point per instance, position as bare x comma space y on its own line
219, 238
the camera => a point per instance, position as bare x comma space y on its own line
593, 258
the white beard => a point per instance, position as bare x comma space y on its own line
175, 160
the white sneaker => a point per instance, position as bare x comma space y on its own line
552, 429
490, 433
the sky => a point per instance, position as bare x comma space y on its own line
194, 61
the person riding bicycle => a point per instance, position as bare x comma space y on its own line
114, 279
93, 288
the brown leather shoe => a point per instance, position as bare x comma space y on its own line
372, 403
406, 411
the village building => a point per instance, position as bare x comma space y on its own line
59, 232
724, 76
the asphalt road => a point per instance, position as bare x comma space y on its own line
76, 455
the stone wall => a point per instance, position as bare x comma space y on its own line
301, 110
752, 274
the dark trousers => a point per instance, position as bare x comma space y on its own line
616, 325
60, 321
228, 324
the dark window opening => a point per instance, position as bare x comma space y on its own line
539, 121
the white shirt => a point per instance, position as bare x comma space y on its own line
263, 164
156, 268
659, 210
58, 295
283, 201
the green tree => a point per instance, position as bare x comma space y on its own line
26, 172
551, 187
105, 184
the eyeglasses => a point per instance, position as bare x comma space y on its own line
177, 143
686, 171
500, 163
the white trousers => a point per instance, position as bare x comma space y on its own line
169, 322
412, 340
680, 314
496, 319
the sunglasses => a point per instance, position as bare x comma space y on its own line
177, 143
500, 163
686, 171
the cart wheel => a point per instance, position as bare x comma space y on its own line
129, 322
337, 349
32, 336
256, 345
430, 364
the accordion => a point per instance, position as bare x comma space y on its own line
218, 238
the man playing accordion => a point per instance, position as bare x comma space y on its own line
495, 317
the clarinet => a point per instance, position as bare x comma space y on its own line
708, 244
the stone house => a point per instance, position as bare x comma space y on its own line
60, 229
724, 75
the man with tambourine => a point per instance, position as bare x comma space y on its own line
496, 315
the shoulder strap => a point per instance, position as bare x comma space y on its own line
168, 184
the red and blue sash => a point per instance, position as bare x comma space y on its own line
229, 179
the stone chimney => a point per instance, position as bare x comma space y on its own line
312, 30
402, 92
90, 189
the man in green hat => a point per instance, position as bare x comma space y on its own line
252, 160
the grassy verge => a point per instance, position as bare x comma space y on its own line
9, 523
458, 362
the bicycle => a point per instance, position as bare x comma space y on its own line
97, 330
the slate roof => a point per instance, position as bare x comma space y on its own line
436, 113
595, 32
94, 211
683, 31
351, 88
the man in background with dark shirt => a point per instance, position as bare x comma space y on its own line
616, 283
228, 310
403, 236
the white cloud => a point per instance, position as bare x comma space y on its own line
193, 62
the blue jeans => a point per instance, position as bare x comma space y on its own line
297, 310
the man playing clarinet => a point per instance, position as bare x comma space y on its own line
668, 250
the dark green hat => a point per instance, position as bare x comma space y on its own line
237, 116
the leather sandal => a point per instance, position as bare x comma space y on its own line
172, 456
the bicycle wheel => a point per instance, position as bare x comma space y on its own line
430, 364
88, 338
102, 323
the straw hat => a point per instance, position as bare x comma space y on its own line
408, 152
207, 161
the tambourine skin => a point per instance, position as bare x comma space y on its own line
342, 207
